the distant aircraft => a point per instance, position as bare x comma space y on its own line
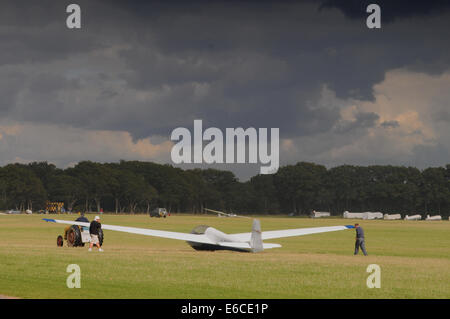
365, 215
392, 216
435, 217
219, 213
413, 217
208, 238
315, 214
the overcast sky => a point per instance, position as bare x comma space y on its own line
339, 92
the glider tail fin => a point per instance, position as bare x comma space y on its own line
256, 240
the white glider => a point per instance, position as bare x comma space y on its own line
219, 213
436, 217
208, 238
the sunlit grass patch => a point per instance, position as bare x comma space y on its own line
414, 258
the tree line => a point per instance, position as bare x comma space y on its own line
138, 187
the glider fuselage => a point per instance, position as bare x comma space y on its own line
214, 235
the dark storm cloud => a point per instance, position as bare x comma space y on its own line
363, 120
430, 155
9, 84
390, 124
43, 90
264, 61
441, 116
35, 32
146, 67
331, 47
390, 9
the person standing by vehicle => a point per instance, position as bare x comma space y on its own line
93, 231
82, 219
360, 241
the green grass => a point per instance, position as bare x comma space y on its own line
414, 257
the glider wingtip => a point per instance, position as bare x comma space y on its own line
49, 220
349, 226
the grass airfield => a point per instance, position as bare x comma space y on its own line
414, 257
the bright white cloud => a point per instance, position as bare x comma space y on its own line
65, 145
413, 115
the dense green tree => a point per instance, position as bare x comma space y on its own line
44, 171
133, 186
265, 194
66, 188
435, 189
95, 178
21, 187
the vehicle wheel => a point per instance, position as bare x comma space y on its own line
74, 236
100, 237
60, 241
65, 232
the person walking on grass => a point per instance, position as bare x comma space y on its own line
360, 241
93, 231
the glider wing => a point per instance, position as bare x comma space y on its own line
246, 245
290, 232
143, 231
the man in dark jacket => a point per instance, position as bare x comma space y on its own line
94, 230
82, 218
360, 241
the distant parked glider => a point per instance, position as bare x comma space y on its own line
436, 217
413, 217
220, 214
208, 238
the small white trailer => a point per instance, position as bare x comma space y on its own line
347, 214
392, 216
435, 217
364, 215
413, 217
315, 214
373, 215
